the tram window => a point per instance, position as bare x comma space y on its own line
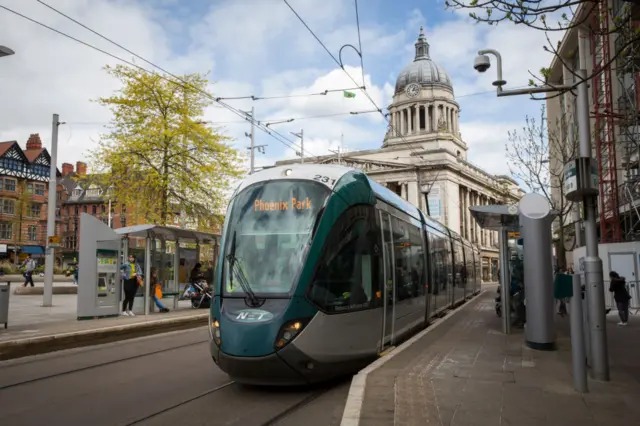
440, 255
407, 244
346, 278
459, 269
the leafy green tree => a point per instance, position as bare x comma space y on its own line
159, 153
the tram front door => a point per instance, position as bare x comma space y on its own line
389, 290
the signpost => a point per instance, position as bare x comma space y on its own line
53, 241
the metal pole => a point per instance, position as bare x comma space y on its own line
147, 273
253, 128
302, 146
109, 213
594, 280
47, 299
503, 241
578, 356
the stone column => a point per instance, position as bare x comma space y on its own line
403, 191
468, 216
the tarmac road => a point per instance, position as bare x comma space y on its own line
166, 379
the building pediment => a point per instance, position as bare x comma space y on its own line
365, 165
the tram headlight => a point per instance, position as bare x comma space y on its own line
214, 331
289, 331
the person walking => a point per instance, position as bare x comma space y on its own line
131, 278
30, 266
622, 297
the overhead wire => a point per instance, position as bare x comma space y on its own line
339, 63
273, 133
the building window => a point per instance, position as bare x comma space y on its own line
103, 208
7, 184
5, 230
32, 233
59, 195
40, 189
30, 188
7, 206
93, 191
35, 209
94, 210
84, 209
123, 221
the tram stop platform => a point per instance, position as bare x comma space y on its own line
32, 337
463, 371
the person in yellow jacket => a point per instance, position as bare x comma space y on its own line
156, 290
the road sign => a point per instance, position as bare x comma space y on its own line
53, 241
514, 235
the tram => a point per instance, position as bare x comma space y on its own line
322, 269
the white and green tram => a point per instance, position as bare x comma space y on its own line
321, 269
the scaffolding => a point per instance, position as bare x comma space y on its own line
604, 130
628, 119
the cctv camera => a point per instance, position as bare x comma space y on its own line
481, 63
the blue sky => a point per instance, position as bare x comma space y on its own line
258, 47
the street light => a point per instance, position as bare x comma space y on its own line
5, 51
585, 192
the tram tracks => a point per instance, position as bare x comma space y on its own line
100, 365
272, 419
180, 404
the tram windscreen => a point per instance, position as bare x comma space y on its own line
267, 235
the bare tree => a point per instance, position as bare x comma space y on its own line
536, 156
555, 16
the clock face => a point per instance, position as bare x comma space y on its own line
412, 90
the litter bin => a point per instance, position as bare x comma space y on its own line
4, 303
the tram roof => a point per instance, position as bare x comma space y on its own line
170, 233
298, 171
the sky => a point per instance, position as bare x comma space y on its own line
260, 48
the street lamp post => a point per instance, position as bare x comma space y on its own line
586, 193
5, 51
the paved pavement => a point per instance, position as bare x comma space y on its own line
159, 380
465, 372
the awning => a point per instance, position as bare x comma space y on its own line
32, 249
170, 233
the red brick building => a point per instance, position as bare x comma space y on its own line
24, 191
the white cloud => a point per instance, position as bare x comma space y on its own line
253, 48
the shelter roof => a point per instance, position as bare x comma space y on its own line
170, 233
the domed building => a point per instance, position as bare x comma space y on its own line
423, 157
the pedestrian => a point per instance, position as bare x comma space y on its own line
30, 266
131, 279
621, 295
156, 290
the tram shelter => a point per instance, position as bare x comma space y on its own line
172, 251
532, 219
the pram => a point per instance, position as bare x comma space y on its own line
199, 293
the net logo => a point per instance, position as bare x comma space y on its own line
254, 315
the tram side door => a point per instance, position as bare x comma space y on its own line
389, 291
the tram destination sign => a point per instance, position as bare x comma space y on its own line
282, 205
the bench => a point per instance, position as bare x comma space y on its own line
138, 302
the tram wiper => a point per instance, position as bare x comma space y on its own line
235, 268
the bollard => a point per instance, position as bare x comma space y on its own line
578, 353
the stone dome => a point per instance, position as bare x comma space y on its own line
423, 70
